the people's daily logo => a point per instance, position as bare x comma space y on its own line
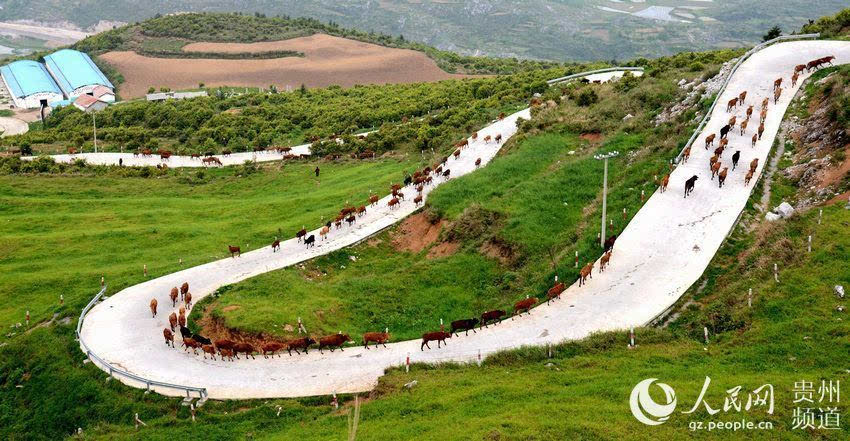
645, 409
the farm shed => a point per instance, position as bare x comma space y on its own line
29, 84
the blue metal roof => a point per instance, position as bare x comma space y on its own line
73, 69
27, 77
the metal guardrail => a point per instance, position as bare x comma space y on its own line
740, 61
592, 72
105, 365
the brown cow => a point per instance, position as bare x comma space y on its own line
361, 211
686, 154
224, 344
373, 200
184, 288
755, 138
245, 348
742, 97
749, 112
324, 231
754, 164
234, 251
715, 169
393, 203
761, 130
748, 177
709, 140
799, 68
226, 353
169, 337
732, 121
174, 294
719, 151
456, 154
603, 262
487, 139
721, 178
299, 343
501, 116
272, 348
744, 126
777, 84
191, 343
211, 160
417, 200
524, 306
555, 292
499, 138
275, 245
764, 103
494, 316
585, 273
208, 349
664, 182
478, 163
172, 320
153, 307
776, 95
475, 136
333, 342
732, 103
794, 79
713, 161
377, 338
439, 336
188, 300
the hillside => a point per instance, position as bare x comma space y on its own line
539, 29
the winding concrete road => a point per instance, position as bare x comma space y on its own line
659, 255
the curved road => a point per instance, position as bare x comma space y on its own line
660, 254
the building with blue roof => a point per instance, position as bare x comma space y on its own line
29, 84
75, 73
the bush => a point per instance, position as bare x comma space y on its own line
587, 97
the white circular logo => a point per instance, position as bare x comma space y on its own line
645, 409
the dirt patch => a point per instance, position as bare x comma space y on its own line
215, 329
834, 175
842, 198
594, 138
443, 249
498, 250
230, 308
416, 233
327, 60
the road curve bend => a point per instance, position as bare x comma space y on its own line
660, 254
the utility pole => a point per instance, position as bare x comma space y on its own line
94, 125
604, 157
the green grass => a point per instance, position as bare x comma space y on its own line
791, 333
61, 233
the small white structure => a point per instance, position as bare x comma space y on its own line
162, 96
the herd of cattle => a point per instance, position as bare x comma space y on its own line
227, 349
716, 166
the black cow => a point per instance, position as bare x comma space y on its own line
310, 241
201, 339
735, 159
689, 185
609, 243
407, 180
464, 325
725, 130
185, 332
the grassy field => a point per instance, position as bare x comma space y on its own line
792, 333
61, 233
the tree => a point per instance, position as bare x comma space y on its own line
772, 33
151, 89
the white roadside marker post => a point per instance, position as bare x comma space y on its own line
407, 363
810, 243
820, 215
632, 337
576, 259
750, 298
776, 272
705, 332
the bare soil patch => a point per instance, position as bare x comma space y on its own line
499, 251
416, 233
327, 61
591, 137
443, 249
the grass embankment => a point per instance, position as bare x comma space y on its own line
61, 233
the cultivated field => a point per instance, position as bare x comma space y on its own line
327, 60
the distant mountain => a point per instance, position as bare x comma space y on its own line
543, 29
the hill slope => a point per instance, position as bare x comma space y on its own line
547, 29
